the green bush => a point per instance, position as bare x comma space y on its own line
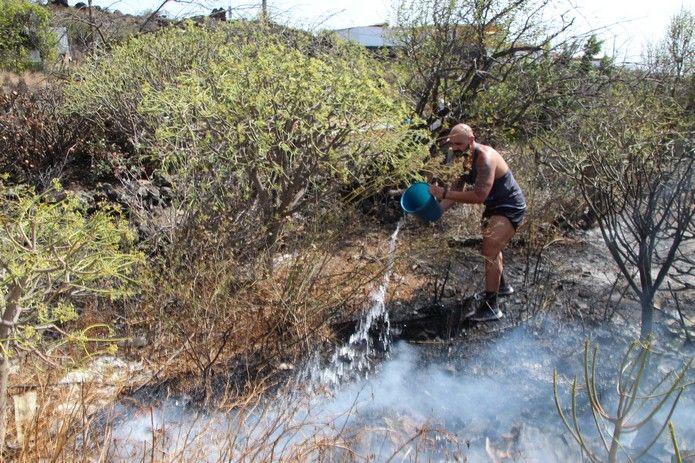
25, 26
107, 89
51, 252
253, 124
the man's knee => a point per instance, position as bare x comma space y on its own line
492, 246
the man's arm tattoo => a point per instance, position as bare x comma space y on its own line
484, 180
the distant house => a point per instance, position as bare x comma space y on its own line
381, 36
373, 37
63, 46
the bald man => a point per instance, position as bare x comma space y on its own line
492, 184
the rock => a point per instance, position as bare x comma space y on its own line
155, 197
285, 366
87, 198
166, 193
465, 242
163, 180
25, 408
142, 191
110, 192
139, 341
585, 293
94, 387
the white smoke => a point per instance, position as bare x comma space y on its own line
458, 401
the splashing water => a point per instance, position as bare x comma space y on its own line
352, 358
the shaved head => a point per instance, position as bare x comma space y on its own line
461, 138
463, 129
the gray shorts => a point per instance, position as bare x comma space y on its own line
514, 214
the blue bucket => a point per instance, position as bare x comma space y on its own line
418, 200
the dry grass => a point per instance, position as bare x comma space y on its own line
210, 325
83, 422
33, 80
192, 317
200, 325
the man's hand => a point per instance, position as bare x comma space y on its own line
437, 191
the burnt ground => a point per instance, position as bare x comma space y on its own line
477, 391
567, 290
571, 277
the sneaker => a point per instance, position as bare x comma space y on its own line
487, 311
506, 290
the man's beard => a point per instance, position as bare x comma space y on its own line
452, 155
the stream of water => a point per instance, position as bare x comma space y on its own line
353, 357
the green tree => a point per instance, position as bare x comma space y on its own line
455, 50
107, 89
673, 58
254, 124
275, 133
51, 251
24, 26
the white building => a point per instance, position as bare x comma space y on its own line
376, 36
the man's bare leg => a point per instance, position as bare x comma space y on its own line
496, 235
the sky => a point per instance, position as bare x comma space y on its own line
626, 26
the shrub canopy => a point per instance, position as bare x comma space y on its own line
24, 27
253, 123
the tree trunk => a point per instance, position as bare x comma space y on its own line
647, 302
9, 318
615, 442
4, 377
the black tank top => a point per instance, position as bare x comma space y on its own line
505, 192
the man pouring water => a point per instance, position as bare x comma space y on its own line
492, 184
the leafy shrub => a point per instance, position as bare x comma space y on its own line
266, 136
25, 27
253, 123
265, 131
51, 252
108, 88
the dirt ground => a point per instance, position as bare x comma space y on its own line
570, 276
567, 290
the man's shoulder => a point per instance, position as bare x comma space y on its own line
486, 153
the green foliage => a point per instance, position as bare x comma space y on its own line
673, 59
25, 26
542, 91
265, 130
253, 123
453, 48
51, 251
108, 88
496, 65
